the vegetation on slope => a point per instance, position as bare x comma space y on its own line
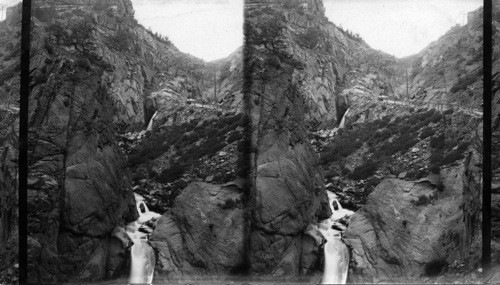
170, 157
417, 144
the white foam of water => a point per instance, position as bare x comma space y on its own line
150, 125
336, 253
342, 122
142, 255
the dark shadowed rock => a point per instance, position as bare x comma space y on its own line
290, 84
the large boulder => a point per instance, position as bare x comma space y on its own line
203, 234
409, 229
289, 198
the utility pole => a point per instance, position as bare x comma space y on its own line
215, 85
407, 96
444, 79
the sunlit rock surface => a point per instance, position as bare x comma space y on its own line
412, 230
203, 234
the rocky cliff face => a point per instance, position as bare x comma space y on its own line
92, 65
289, 83
10, 55
449, 69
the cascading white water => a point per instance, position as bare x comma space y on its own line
342, 122
141, 253
336, 253
150, 125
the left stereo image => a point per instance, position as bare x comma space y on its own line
136, 140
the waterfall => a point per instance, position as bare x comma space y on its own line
150, 125
342, 122
336, 252
141, 253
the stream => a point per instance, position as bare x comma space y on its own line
336, 266
336, 252
142, 255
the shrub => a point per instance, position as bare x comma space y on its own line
331, 173
122, 40
440, 186
422, 200
401, 143
58, 31
372, 183
382, 135
436, 117
230, 204
417, 174
463, 82
364, 171
437, 141
311, 38
338, 149
436, 157
100, 6
435, 267
426, 132
234, 136
45, 14
434, 169
404, 129
81, 33
448, 112
172, 173
452, 156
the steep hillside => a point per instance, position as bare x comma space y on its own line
449, 69
10, 57
224, 81
380, 139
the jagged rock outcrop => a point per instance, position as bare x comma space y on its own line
408, 230
203, 234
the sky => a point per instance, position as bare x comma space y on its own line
207, 29
213, 29
399, 27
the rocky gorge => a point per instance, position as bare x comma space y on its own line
239, 156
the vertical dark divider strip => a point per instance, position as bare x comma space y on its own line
23, 141
487, 104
